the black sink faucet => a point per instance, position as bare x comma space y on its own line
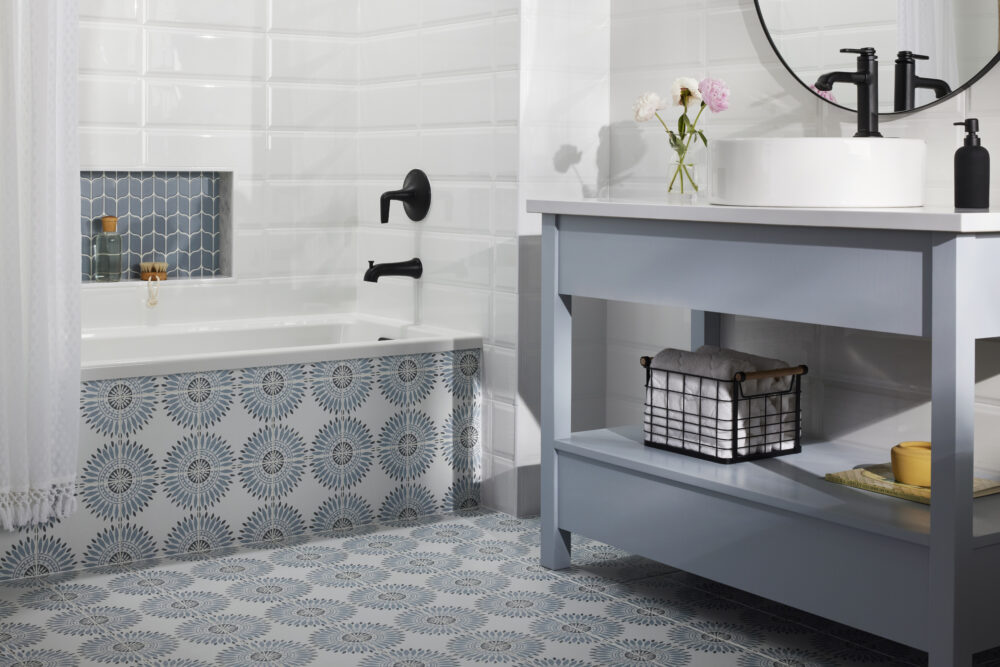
866, 79
412, 268
907, 82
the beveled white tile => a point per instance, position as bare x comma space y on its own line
204, 53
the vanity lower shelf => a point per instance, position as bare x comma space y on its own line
791, 483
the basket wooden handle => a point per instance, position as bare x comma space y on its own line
773, 373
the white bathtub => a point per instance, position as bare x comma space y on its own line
183, 348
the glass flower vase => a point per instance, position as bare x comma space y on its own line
685, 182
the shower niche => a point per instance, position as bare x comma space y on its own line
183, 218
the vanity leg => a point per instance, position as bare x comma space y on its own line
953, 370
706, 329
556, 366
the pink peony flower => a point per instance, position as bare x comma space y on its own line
825, 94
715, 93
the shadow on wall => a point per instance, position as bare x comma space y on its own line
632, 148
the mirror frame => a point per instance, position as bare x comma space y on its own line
882, 114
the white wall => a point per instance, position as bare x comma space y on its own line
264, 89
438, 89
872, 389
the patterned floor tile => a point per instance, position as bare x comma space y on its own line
462, 589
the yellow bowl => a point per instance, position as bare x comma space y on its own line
911, 463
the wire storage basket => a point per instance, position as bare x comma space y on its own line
717, 420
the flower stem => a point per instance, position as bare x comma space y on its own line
682, 168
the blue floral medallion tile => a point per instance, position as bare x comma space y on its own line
380, 544
36, 556
639, 653
357, 638
342, 513
407, 502
341, 386
447, 533
405, 380
197, 471
576, 628
462, 443
409, 656
118, 407
232, 568
311, 612
150, 582
118, 481
650, 611
492, 550
421, 562
66, 596
469, 582
130, 647
391, 597
464, 374
342, 453
407, 444
519, 604
273, 461
120, 544
268, 589
7, 608
273, 522
198, 400
223, 629
39, 657
19, 635
272, 392
93, 621
441, 620
267, 653
462, 496
496, 647
308, 556
348, 575
185, 604
198, 533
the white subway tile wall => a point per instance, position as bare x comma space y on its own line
872, 389
318, 106
435, 92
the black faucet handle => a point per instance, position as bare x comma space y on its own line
864, 51
371, 263
415, 195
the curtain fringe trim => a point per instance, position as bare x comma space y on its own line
19, 509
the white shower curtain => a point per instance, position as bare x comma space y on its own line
39, 261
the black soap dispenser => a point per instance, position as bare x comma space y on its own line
972, 170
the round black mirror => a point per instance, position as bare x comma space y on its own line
927, 50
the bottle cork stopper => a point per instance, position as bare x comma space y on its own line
109, 223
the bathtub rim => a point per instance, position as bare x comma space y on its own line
424, 340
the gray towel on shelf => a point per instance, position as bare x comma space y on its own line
711, 400
721, 364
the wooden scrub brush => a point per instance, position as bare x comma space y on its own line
150, 270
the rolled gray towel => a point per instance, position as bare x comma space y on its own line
722, 364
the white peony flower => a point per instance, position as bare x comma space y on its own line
691, 85
646, 107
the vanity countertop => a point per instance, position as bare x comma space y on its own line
930, 219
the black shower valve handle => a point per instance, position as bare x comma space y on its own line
415, 195
386, 199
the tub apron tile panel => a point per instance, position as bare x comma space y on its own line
189, 463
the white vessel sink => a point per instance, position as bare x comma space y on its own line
818, 172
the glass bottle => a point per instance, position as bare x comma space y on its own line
108, 252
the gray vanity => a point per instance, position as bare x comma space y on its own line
924, 576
